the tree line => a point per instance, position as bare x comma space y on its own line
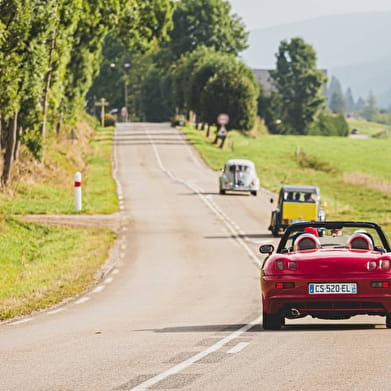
340, 102
156, 57
50, 51
198, 71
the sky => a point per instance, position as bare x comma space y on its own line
267, 13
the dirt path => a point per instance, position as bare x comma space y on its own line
112, 221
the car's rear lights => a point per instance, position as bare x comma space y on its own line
371, 265
285, 285
380, 284
286, 221
385, 264
283, 265
292, 265
280, 265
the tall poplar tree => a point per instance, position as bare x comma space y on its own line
299, 85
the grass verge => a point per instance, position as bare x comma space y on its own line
43, 265
53, 264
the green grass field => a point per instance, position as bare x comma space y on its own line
366, 127
44, 265
353, 174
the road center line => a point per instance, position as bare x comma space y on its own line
240, 346
228, 223
209, 202
187, 363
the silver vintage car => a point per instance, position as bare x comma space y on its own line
239, 175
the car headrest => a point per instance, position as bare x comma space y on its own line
360, 242
306, 241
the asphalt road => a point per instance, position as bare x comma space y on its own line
180, 309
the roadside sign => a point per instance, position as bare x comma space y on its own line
223, 119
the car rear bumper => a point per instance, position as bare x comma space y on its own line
240, 188
367, 300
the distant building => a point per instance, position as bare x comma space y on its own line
265, 81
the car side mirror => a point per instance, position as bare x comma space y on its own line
266, 248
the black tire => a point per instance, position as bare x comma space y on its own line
254, 192
388, 320
222, 191
272, 321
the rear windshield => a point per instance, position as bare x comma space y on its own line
239, 168
299, 196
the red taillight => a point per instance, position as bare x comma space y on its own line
380, 284
384, 264
292, 265
280, 265
285, 285
371, 265
286, 221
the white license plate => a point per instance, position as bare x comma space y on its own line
345, 288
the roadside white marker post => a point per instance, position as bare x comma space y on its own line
78, 191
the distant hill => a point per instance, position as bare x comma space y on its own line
353, 47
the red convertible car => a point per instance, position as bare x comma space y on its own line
328, 270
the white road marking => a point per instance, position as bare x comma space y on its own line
115, 271
187, 363
240, 346
82, 300
123, 246
98, 289
209, 202
25, 320
234, 231
108, 280
52, 312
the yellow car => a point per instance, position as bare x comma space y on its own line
295, 204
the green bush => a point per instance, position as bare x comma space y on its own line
330, 125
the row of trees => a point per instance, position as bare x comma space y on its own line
50, 51
340, 102
197, 70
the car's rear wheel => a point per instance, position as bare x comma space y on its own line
222, 191
272, 321
388, 320
254, 192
